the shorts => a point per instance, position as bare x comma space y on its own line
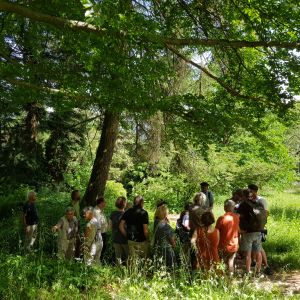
251, 241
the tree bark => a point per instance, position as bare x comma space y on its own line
155, 135
99, 175
31, 127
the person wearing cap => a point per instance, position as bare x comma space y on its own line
67, 228
209, 195
30, 220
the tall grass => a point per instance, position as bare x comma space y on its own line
41, 276
283, 244
30, 277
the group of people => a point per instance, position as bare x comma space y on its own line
239, 231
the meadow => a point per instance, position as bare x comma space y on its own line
41, 276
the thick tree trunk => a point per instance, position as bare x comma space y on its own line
99, 175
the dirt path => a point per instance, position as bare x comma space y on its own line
288, 283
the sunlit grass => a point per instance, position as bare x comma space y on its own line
41, 276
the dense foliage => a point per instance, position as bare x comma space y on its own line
201, 90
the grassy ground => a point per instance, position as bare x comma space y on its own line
40, 276
283, 244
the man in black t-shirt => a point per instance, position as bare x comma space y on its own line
30, 220
134, 226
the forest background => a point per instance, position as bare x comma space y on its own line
146, 97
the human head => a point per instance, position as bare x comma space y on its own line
237, 195
161, 212
121, 202
188, 206
160, 203
246, 194
75, 195
204, 186
200, 199
88, 212
31, 196
229, 205
69, 212
208, 218
128, 205
253, 189
138, 201
101, 203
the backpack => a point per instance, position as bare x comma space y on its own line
181, 232
257, 216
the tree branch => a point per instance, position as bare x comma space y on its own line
228, 88
81, 26
28, 85
55, 21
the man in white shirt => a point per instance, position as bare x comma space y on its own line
101, 218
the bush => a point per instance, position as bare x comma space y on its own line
113, 190
175, 190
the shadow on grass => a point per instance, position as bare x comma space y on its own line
287, 213
283, 253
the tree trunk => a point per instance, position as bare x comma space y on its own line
155, 136
99, 175
31, 129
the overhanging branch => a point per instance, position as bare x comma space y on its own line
81, 26
55, 21
31, 86
233, 44
228, 88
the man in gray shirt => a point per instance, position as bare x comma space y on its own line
209, 195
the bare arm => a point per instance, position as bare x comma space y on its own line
87, 232
146, 231
218, 236
122, 228
194, 238
58, 226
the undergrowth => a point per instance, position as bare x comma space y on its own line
41, 276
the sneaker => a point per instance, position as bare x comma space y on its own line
268, 271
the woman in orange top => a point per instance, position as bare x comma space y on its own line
206, 240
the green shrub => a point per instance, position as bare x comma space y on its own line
113, 190
175, 190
